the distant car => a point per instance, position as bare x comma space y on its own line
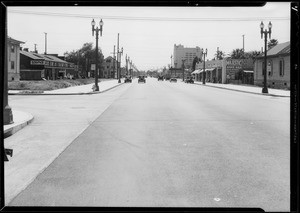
160, 78
128, 79
189, 80
141, 79
167, 78
173, 80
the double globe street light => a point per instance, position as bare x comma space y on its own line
265, 33
96, 61
204, 74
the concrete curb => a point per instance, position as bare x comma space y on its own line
237, 90
15, 128
78, 93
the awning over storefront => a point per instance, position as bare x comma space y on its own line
209, 70
206, 70
196, 72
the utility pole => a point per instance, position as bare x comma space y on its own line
126, 59
183, 60
118, 73
243, 44
45, 43
114, 61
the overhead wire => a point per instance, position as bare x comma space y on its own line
145, 18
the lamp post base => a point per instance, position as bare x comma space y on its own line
264, 90
7, 116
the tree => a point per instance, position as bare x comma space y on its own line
272, 43
237, 54
195, 61
219, 55
84, 57
252, 54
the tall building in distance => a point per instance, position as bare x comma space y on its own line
185, 53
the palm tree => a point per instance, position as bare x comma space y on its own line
219, 55
272, 43
237, 54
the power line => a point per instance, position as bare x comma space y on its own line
146, 18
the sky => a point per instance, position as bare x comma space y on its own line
148, 34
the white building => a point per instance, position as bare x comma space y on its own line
185, 53
13, 52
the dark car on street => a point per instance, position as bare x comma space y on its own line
141, 79
160, 78
128, 79
173, 80
189, 80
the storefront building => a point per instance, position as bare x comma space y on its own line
34, 66
234, 71
278, 67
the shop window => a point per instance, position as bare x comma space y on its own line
12, 48
12, 65
281, 67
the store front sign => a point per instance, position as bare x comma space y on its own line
37, 62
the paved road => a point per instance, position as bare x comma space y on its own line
174, 145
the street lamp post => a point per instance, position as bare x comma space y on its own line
203, 75
265, 33
183, 60
97, 34
120, 53
45, 43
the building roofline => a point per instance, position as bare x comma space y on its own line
15, 41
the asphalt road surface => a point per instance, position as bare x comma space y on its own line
163, 144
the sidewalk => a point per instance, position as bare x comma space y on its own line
248, 89
21, 119
75, 90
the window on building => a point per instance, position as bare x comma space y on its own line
12, 65
281, 67
270, 68
12, 48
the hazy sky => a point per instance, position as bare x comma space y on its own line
148, 34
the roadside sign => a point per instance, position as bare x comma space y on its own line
93, 66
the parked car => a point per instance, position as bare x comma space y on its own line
189, 80
167, 78
128, 79
160, 78
141, 79
173, 79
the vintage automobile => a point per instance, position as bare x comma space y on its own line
173, 79
141, 79
128, 79
160, 78
189, 80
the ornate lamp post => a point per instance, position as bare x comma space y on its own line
97, 34
203, 74
120, 53
265, 33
